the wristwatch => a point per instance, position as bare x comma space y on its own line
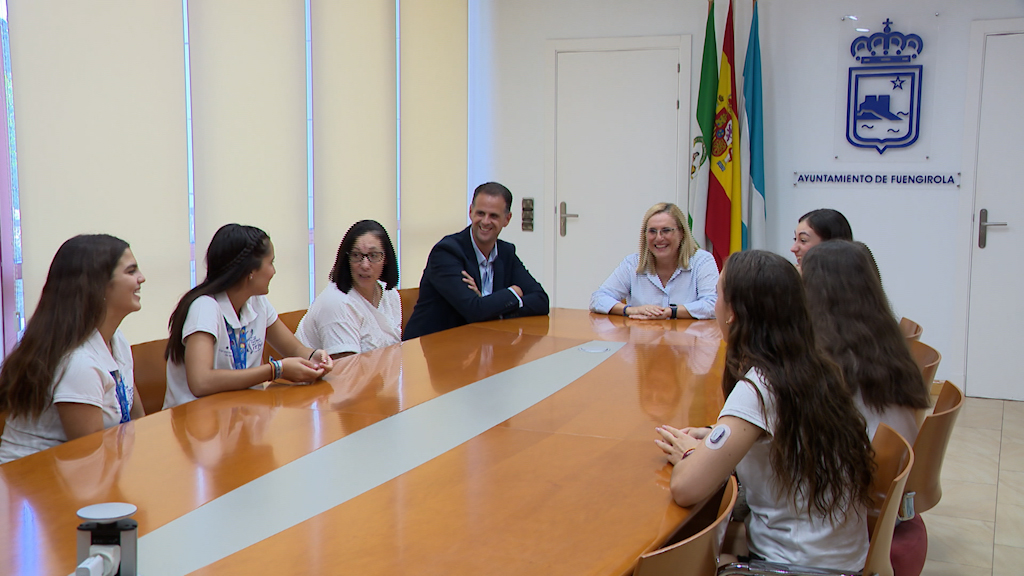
675, 310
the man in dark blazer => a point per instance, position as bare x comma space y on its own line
471, 276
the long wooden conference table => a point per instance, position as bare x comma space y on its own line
520, 446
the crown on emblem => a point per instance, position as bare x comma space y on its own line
886, 47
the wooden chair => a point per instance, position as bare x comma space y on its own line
409, 297
930, 448
894, 459
911, 330
289, 319
151, 373
927, 359
923, 489
697, 554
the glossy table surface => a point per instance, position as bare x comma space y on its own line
572, 485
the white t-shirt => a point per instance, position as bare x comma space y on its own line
899, 418
84, 377
338, 322
776, 529
208, 314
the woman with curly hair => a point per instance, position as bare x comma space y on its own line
789, 426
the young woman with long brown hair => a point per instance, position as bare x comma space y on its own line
789, 426
854, 325
72, 372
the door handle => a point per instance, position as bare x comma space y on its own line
563, 216
983, 225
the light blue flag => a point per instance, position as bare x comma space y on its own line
754, 213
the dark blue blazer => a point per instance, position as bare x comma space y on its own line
446, 301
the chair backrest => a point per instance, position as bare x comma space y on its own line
911, 330
927, 359
698, 554
409, 297
291, 321
894, 459
930, 448
150, 369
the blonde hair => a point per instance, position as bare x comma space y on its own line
687, 246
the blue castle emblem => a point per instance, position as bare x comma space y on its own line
883, 105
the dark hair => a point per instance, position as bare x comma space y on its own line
828, 224
234, 252
70, 307
495, 189
855, 326
341, 274
820, 447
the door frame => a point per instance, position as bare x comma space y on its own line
980, 31
552, 48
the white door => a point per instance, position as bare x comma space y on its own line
617, 138
995, 337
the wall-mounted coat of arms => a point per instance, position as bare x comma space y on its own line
883, 105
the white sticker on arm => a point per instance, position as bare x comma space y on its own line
717, 437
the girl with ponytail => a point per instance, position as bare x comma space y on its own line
219, 328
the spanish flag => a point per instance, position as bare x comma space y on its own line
724, 226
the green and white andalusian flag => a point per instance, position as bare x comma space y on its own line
702, 126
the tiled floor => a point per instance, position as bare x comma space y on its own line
978, 527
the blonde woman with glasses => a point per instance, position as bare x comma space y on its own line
360, 309
668, 278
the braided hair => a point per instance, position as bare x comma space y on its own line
234, 252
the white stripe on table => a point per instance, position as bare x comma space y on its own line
358, 463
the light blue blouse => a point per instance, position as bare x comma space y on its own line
693, 288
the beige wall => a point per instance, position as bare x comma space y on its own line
249, 131
100, 106
434, 127
354, 121
101, 139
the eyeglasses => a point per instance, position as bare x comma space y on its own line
357, 257
653, 232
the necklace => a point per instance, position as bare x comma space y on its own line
374, 298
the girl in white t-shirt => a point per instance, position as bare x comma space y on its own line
360, 310
219, 328
855, 326
789, 426
72, 372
